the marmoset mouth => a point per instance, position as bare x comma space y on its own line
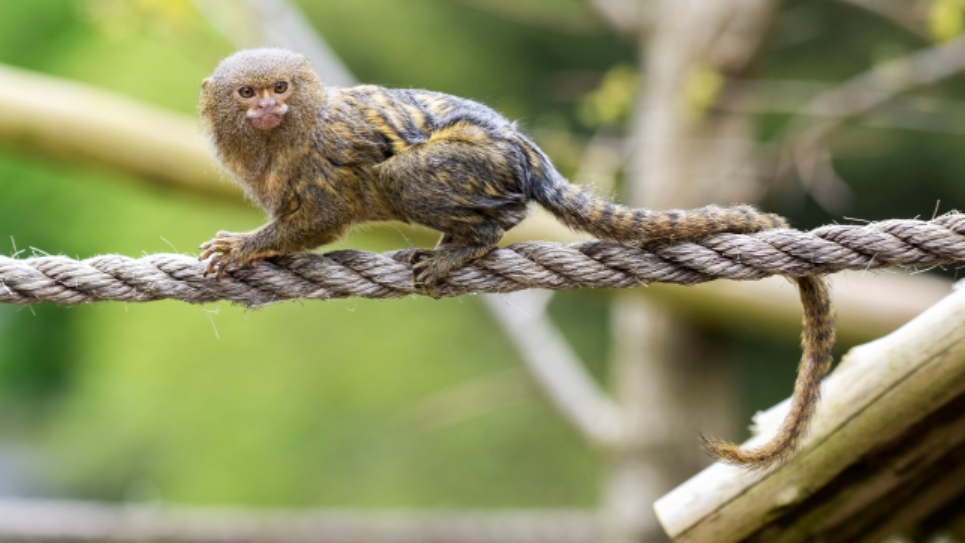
266, 120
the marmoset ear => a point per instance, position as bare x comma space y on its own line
204, 83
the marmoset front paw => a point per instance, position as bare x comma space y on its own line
228, 249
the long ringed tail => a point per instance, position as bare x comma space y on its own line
582, 211
818, 342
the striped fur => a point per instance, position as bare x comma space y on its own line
581, 211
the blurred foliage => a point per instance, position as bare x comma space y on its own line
569, 17
946, 19
611, 102
311, 404
450, 47
703, 89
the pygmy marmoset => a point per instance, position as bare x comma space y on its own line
319, 159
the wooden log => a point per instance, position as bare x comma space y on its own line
869, 305
72, 119
59, 520
888, 428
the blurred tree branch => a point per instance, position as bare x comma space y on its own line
572, 18
70, 119
868, 304
898, 12
46, 520
556, 367
806, 137
279, 23
920, 113
625, 16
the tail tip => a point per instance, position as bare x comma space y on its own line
754, 459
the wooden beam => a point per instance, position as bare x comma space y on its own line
868, 304
872, 401
60, 520
79, 121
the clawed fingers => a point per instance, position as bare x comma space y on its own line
214, 246
420, 270
424, 277
220, 253
207, 251
218, 265
212, 267
419, 256
228, 250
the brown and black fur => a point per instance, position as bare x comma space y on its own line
343, 156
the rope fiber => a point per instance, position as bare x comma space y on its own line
343, 274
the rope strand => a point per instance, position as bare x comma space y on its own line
343, 274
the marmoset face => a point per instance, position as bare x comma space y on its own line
255, 87
265, 105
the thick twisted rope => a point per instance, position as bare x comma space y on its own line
341, 274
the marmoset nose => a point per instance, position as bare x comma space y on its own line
267, 103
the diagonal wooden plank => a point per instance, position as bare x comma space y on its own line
879, 391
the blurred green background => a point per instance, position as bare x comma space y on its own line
410, 402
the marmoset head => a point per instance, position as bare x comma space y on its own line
255, 94
257, 83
